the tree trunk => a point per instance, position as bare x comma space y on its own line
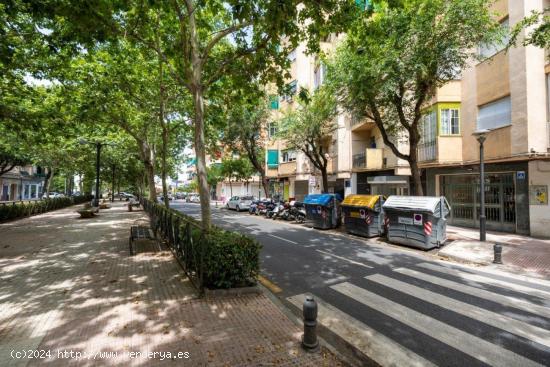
151, 181
230, 188
324, 177
201, 156
165, 133
416, 187
47, 182
265, 184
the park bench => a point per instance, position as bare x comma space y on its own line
144, 236
131, 204
87, 211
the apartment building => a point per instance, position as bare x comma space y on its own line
507, 93
22, 183
291, 174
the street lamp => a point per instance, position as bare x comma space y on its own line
98, 146
481, 136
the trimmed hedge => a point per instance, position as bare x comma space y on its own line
10, 211
229, 259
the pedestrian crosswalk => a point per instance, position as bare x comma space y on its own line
406, 316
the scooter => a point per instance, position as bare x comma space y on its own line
270, 208
281, 211
298, 211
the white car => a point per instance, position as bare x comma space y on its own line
193, 198
53, 195
240, 202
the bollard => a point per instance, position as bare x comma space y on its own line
498, 254
309, 339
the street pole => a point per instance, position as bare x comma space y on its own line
482, 218
98, 153
113, 186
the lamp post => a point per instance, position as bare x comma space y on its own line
481, 136
98, 146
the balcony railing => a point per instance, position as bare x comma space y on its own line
359, 160
427, 151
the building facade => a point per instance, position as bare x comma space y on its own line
22, 183
506, 92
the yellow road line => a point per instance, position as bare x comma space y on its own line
269, 284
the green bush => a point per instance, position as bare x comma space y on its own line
229, 259
10, 211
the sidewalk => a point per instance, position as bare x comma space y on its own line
68, 285
520, 253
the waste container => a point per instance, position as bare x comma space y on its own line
322, 210
417, 221
363, 215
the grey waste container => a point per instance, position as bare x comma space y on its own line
416, 221
363, 215
322, 210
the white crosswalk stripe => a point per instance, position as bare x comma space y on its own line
504, 300
487, 280
380, 348
494, 319
471, 345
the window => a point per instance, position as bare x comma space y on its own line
290, 90
495, 114
319, 75
450, 122
487, 50
429, 127
273, 129
273, 102
292, 55
272, 159
289, 156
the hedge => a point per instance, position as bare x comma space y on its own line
214, 259
15, 210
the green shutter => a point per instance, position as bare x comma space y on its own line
272, 159
274, 102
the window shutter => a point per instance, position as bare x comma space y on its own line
274, 102
495, 114
272, 159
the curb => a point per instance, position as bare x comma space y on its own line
231, 292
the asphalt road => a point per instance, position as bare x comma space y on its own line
401, 306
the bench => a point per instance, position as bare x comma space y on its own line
132, 204
139, 233
85, 213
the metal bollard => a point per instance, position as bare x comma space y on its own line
309, 339
498, 254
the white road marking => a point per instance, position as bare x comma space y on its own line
494, 319
345, 259
487, 280
504, 300
283, 239
471, 345
375, 345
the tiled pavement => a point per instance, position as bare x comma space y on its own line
69, 285
526, 254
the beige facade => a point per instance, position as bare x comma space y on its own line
507, 93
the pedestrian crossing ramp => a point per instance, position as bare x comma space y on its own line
434, 315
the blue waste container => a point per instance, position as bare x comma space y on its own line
323, 210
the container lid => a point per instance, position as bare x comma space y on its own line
368, 201
320, 199
420, 203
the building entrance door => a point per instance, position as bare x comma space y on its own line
463, 193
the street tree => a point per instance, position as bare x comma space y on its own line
537, 30
237, 169
309, 128
393, 61
247, 117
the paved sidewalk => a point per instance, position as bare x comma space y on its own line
69, 285
520, 253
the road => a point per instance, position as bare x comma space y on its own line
400, 306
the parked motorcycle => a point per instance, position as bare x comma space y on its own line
270, 209
253, 207
297, 211
261, 208
281, 210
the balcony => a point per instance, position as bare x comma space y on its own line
287, 168
360, 161
372, 159
427, 151
361, 124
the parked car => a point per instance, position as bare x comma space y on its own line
53, 195
240, 202
180, 195
193, 198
